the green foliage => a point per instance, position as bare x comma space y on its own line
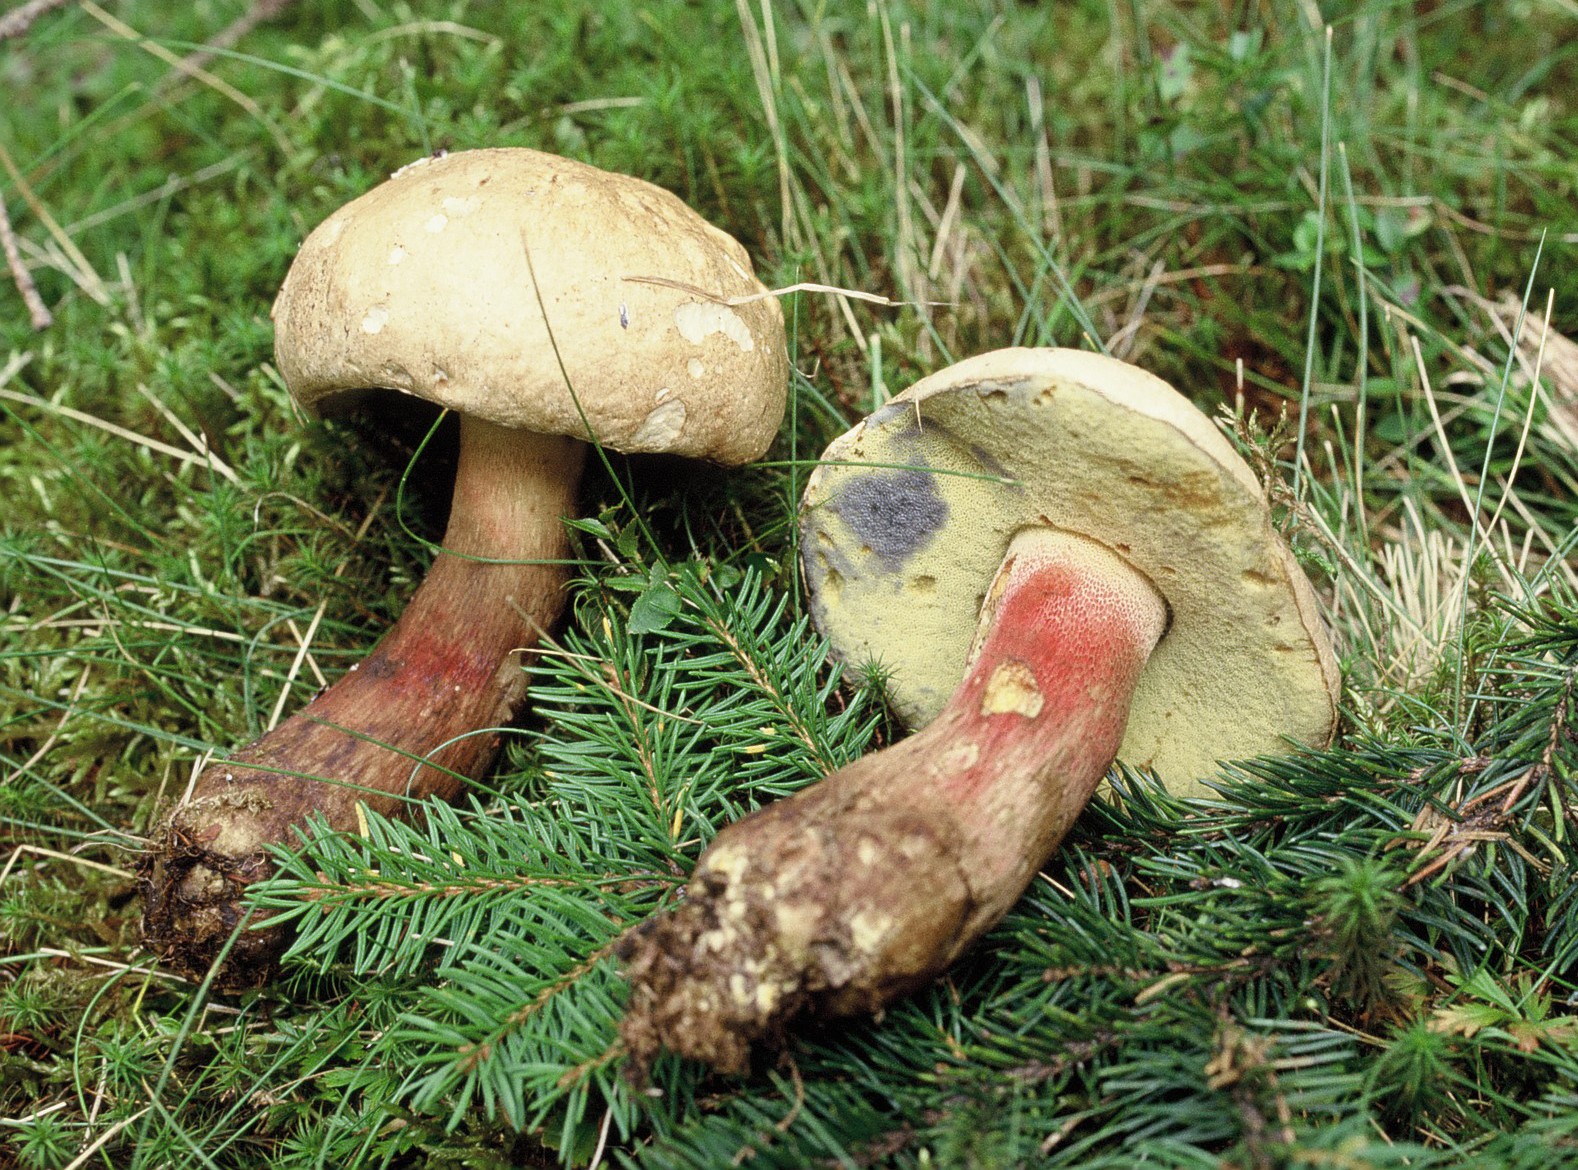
497, 924
1356, 907
1361, 956
45, 1143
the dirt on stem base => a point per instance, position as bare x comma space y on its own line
829, 903
214, 845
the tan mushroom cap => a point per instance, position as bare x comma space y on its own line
908, 517
423, 285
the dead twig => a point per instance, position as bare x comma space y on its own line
37, 311
19, 20
227, 37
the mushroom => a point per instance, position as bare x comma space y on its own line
1075, 541
549, 304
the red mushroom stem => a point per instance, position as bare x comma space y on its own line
415, 719
870, 883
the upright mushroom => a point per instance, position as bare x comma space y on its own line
508, 286
1058, 560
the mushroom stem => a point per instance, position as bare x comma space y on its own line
870, 883
417, 718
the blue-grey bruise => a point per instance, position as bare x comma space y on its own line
893, 513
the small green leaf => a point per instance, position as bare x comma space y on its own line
626, 584
591, 527
654, 609
628, 542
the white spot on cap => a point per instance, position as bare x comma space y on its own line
744, 275
331, 229
396, 254
695, 367
437, 224
662, 393
375, 319
660, 428
696, 320
461, 207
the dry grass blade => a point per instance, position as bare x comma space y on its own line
1544, 351
121, 29
204, 460
55, 854
763, 53
77, 267
803, 286
43, 748
13, 366
104, 1139
198, 442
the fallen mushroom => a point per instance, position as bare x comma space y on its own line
436, 284
1076, 542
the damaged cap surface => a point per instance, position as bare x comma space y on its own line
899, 553
423, 285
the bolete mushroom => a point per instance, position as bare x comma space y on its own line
550, 304
1057, 560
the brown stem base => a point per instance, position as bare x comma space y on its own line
812, 905
416, 719
354, 745
872, 882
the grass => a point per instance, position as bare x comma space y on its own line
1359, 957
